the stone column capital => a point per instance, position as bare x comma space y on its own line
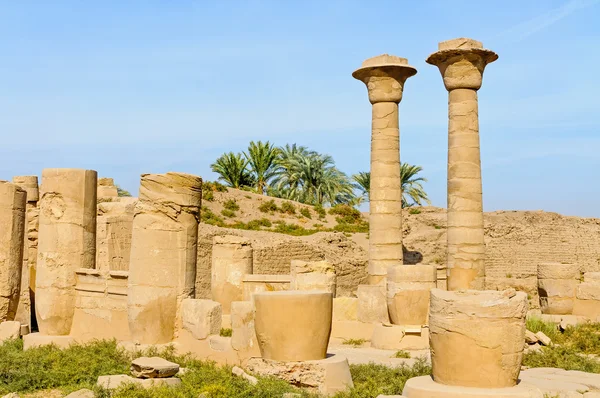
461, 62
384, 76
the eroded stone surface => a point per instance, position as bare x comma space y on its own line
557, 287
477, 337
67, 242
231, 261
312, 275
114, 381
9, 330
242, 324
12, 232
326, 376
372, 304
201, 317
408, 289
153, 368
163, 254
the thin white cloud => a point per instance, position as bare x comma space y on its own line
527, 28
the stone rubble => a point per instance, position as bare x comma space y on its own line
153, 368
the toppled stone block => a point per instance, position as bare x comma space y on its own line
372, 304
530, 337
9, 330
542, 338
326, 376
345, 309
153, 368
237, 371
114, 381
201, 317
33, 340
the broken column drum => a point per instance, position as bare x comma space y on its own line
477, 337
557, 287
231, 262
12, 230
162, 265
293, 325
384, 77
408, 288
461, 63
67, 242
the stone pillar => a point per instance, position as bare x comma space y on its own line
231, 261
12, 230
162, 265
461, 63
408, 290
30, 185
384, 76
67, 242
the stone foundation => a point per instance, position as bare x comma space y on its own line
425, 387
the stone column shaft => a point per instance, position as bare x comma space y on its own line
461, 63
466, 245
12, 230
66, 242
385, 216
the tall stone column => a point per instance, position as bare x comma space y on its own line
67, 242
30, 185
461, 63
12, 230
162, 267
384, 76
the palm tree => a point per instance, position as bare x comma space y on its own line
362, 182
122, 192
261, 159
411, 185
232, 169
312, 178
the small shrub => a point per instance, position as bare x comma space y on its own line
208, 217
438, 260
268, 206
208, 196
346, 213
562, 357
228, 213
318, 225
352, 228
550, 329
256, 224
288, 208
437, 226
231, 204
354, 342
401, 354
293, 229
225, 332
305, 212
509, 275
414, 211
320, 211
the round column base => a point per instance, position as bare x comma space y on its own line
425, 387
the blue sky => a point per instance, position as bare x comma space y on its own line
131, 87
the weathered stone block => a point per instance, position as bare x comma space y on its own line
345, 309
231, 262
153, 368
201, 317
9, 330
242, 324
372, 304
312, 275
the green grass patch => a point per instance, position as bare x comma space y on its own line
535, 324
268, 206
226, 332
288, 208
228, 213
293, 229
401, 354
305, 212
231, 204
354, 342
562, 357
414, 211
372, 380
208, 217
320, 211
